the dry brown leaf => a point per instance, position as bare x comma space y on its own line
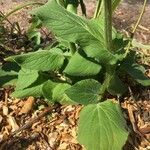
28, 105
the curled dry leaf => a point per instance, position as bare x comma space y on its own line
28, 105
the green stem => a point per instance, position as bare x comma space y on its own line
108, 23
98, 9
109, 74
135, 27
108, 41
73, 9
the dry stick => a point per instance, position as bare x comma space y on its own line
30, 122
7, 20
135, 27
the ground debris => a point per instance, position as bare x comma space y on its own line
52, 131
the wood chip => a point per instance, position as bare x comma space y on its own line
1, 118
12, 122
5, 110
28, 105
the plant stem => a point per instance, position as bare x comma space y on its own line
135, 27
109, 74
108, 41
98, 9
108, 23
73, 9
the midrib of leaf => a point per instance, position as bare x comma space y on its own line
54, 7
98, 106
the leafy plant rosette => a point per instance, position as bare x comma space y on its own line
89, 61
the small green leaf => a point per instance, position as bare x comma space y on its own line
59, 91
42, 60
84, 92
36, 36
137, 72
80, 66
25, 78
102, 127
48, 89
59, 94
116, 86
55, 92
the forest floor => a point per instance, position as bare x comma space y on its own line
30, 124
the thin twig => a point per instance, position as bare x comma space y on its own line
8, 20
135, 27
19, 8
30, 122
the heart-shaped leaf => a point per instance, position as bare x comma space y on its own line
102, 127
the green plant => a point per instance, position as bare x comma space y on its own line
89, 61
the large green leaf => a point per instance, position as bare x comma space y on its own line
68, 26
102, 127
42, 60
116, 86
35, 91
80, 66
25, 78
84, 92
